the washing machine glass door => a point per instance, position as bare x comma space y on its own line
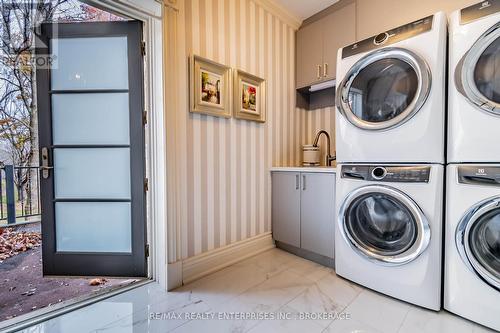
384, 89
477, 75
384, 225
478, 240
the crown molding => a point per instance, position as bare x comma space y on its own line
281, 12
173, 4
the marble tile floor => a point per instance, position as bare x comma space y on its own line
270, 292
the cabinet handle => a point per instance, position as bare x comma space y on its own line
325, 69
319, 71
303, 182
297, 180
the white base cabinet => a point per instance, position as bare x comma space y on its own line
303, 210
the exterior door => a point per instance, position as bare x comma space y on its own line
384, 89
477, 75
383, 224
478, 240
90, 100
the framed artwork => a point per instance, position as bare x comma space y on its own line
249, 97
210, 87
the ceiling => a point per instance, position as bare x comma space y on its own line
305, 8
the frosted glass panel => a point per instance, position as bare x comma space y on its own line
102, 173
90, 118
89, 63
93, 227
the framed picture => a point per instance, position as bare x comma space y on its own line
249, 96
210, 87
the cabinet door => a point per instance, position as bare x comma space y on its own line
339, 30
286, 207
317, 217
309, 54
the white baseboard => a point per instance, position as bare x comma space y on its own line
174, 275
203, 264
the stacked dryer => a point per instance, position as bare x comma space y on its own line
472, 242
390, 123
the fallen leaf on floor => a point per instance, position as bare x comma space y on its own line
97, 281
12, 242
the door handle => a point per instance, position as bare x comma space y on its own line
297, 180
303, 182
45, 168
325, 69
319, 72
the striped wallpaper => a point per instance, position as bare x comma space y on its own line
316, 120
219, 185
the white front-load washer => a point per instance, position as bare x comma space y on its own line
391, 93
472, 243
474, 84
388, 235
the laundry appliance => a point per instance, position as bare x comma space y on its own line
472, 243
391, 95
388, 235
474, 84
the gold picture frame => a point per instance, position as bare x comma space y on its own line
210, 87
249, 96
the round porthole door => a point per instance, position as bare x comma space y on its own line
383, 224
478, 240
477, 75
384, 89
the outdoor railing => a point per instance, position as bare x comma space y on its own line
19, 193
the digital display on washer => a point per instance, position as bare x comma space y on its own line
389, 37
478, 10
387, 173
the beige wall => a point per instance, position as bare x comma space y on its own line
315, 120
374, 16
218, 169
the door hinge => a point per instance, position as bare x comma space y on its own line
144, 117
147, 250
146, 185
143, 48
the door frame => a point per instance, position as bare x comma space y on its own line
150, 13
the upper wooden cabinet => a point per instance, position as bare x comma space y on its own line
309, 54
339, 31
318, 42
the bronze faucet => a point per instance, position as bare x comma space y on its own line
329, 158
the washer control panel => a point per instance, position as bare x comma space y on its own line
387, 173
479, 175
389, 37
479, 10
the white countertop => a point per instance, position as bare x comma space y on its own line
320, 169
